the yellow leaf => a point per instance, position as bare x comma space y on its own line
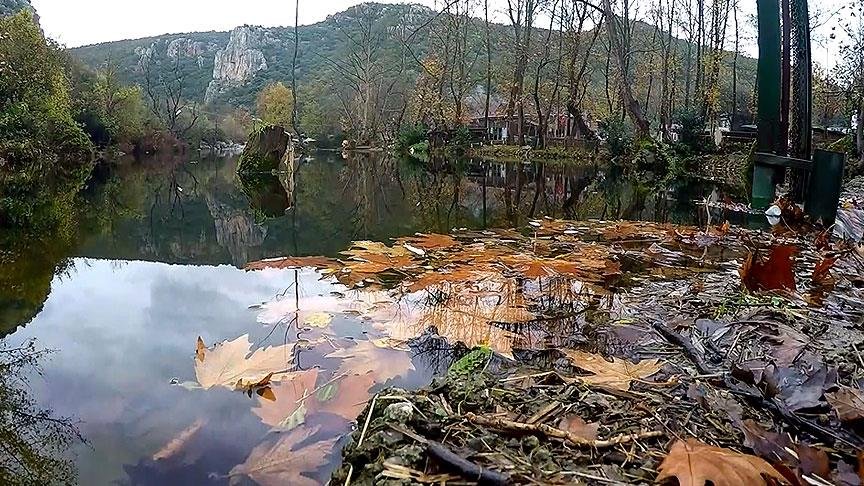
617, 374
233, 364
318, 319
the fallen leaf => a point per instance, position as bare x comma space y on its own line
280, 462
822, 271
234, 365
173, 447
288, 394
799, 460
694, 463
294, 262
432, 241
200, 349
774, 274
617, 374
318, 319
366, 357
848, 403
575, 425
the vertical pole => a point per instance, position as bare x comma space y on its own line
768, 90
801, 124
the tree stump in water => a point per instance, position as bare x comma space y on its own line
264, 150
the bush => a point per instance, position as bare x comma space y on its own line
411, 135
691, 134
618, 136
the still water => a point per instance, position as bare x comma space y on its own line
155, 260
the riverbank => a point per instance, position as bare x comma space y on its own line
697, 342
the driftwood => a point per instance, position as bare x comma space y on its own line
549, 431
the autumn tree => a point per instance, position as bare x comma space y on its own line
275, 105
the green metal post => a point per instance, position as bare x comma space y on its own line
768, 91
826, 182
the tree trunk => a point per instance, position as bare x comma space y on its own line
630, 104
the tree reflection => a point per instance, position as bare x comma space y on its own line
34, 444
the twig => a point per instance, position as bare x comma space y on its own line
686, 346
465, 467
368, 419
549, 431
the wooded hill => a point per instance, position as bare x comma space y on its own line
394, 41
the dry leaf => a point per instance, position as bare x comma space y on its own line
848, 403
288, 394
617, 374
774, 274
694, 463
365, 357
272, 464
200, 349
234, 365
176, 444
822, 271
294, 262
318, 319
575, 425
432, 241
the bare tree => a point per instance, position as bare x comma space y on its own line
165, 91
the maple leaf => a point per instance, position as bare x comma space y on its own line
694, 463
319, 262
848, 403
279, 463
617, 374
774, 274
318, 319
366, 357
288, 395
233, 364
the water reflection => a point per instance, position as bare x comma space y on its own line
153, 265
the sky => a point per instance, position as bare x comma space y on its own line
80, 22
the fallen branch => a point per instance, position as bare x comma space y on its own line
449, 458
549, 431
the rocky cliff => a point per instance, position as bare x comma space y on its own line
238, 62
11, 7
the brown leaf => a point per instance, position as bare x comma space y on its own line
365, 357
200, 349
288, 394
280, 463
617, 374
774, 274
798, 460
848, 403
233, 364
294, 262
694, 463
432, 241
575, 425
172, 448
822, 271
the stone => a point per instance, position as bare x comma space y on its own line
238, 63
265, 150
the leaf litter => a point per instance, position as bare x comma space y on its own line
620, 352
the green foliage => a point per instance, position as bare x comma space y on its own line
692, 131
473, 362
44, 155
276, 105
619, 138
412, 135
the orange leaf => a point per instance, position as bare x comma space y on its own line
575, 425
694, 463
822, 271
293, 262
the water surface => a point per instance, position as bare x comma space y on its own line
156, 259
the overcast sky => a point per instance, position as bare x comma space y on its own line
81, 22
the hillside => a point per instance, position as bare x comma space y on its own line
231, 68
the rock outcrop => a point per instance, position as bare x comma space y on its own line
238, 62
265, 150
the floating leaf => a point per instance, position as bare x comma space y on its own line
365, 357
179, 442
233, 364
694, 463
294, 262
289, 395
281, 462
318, 319
433, 241
617, 374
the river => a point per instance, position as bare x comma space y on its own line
155, 260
